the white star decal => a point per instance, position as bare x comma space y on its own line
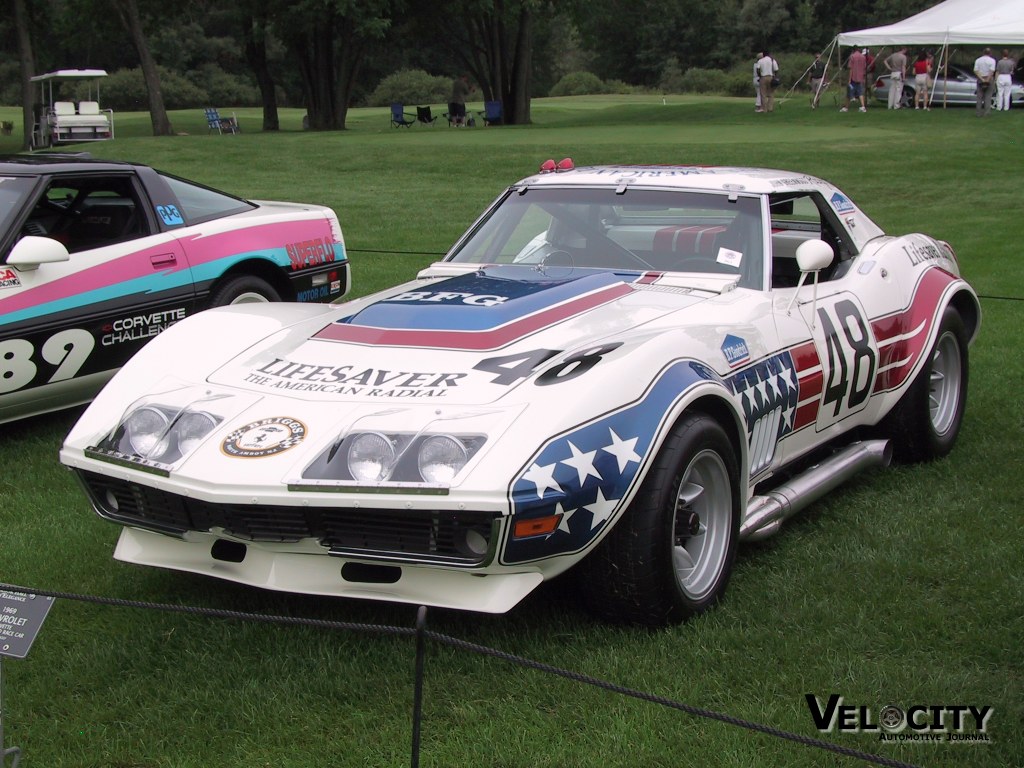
563, 524
762, 388
583, 463
602, 509
543, 478
624, 451
787, 374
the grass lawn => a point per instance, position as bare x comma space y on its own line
906, 588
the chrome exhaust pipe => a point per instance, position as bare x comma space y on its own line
765, 514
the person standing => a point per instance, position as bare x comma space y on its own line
817, 72
1004, 80
857, 64
767, 69
896, 63
985, 71
758, 106
457, 106
922, 69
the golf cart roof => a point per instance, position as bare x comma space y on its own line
69, 74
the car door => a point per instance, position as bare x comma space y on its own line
825, 327
66, 325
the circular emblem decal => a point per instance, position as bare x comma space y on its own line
892, 718
265, 437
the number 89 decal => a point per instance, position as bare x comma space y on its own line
851, 361
67, 350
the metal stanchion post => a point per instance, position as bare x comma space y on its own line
4, 752
417, 704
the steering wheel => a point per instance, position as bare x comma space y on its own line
557, 258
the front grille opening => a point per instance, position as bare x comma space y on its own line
460, 538
228, 551
367, 573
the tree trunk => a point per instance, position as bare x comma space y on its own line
328, 57
255, 36
28, 94
129, 13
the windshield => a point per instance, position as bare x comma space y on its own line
639, 229
14, 191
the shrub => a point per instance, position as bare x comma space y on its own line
410, 86
125, 89
578, 84
671, 80
696, 80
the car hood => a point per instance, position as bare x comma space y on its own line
462, 338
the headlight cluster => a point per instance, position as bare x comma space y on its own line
161, 433
380, 457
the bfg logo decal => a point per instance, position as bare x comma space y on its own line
265, 437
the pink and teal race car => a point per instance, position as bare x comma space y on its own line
98, 257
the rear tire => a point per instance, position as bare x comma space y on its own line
925, 423
245, 289
671, 554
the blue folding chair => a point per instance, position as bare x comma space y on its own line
492, 113
399, 117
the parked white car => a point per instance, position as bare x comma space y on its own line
623, 370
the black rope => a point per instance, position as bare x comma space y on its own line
420, 632
654, 699
216, 612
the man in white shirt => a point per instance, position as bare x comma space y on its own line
896, 63
767, 68
985, 71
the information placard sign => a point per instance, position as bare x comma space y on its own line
21, 618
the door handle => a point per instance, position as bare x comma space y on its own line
163, 260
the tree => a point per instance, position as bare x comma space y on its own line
128, 11
27, 68
328, 40
494, 42
254, 35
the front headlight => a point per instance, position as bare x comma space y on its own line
160, 433
371, 457
441, 458
191, 428
144, 429
396, 458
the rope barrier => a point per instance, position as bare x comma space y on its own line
419, 632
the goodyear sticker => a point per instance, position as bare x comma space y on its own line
265, 437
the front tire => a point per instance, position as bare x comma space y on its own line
671, 554
245, 289
925, 423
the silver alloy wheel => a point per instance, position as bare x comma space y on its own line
701, 526
250, 297
944, 383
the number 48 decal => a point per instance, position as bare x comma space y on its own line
851, 360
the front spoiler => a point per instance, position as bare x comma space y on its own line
320, 574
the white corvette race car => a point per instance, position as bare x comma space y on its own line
624, 369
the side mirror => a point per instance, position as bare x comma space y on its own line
31, 251
813, 255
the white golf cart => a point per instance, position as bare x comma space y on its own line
64, 121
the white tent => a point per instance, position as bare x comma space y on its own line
954, 22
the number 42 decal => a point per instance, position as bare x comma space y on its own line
852, 359
68, 350
512, 368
